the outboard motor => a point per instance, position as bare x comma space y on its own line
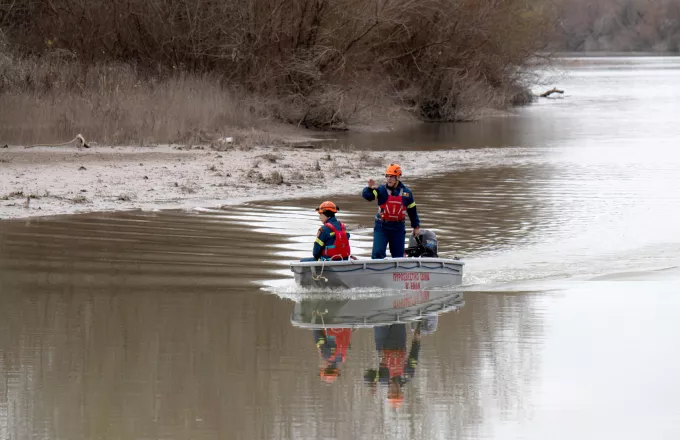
425, 245
427, 325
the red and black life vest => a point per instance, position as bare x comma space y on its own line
340, 249
342, 337
395, 361
393, 210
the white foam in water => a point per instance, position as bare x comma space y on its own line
541, 267
287, 289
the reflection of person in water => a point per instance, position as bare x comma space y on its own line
396, 368
332, 344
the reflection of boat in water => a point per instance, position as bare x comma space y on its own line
371, 312
390, 273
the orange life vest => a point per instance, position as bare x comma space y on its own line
340, 249
393, 210
342, 338
394, 360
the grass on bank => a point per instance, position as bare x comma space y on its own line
52, 100
140, 71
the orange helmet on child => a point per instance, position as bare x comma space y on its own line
393, 169
329, 374
327, 206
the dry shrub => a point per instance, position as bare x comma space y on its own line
188, 188
333, 106
297, 176
274, 178
271, 157
52, 100
188, 65
254, 176
13, 195
366, 159
246, 139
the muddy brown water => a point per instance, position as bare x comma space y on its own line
180, 325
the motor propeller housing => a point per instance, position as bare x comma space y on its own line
424, 245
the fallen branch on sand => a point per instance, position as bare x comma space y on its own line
550, 92
79, 140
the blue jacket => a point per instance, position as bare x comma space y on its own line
381, 193
325, 237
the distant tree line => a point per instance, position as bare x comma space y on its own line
619, 25
321, 59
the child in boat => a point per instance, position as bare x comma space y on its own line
332, 345
332, 239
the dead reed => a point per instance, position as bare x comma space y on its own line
158, 71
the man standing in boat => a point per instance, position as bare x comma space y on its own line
332, 239
396, 368
395, 200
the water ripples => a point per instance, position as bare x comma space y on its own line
509, 219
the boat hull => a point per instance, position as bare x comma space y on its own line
389, 273
406, 307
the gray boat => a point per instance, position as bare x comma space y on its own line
408, 273
416, 306
420, 269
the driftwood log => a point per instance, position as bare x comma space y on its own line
79, 142
550, 92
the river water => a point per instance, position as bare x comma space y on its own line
187, 325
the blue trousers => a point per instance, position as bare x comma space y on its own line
392, 233
390, 337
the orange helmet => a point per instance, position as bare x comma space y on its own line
327, 206
393, 169
395, 401
329, 375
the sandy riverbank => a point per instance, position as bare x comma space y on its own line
44, 181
